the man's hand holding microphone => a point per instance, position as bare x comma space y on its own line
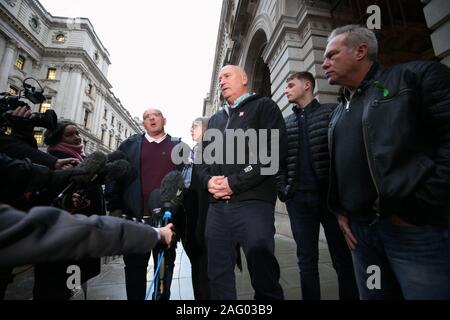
167, 235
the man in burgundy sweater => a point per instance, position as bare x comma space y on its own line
150, 157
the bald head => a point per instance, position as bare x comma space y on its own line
233, 82
152, 111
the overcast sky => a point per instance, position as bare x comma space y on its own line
162, 52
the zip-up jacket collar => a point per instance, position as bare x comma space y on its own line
345, 93
311, 107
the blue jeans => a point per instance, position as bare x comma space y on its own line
414, 262
307, 210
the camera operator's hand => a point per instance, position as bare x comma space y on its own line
21, 129
115, 213
80, 201
65, 164
22, 112
167, 235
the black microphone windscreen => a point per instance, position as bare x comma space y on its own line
117, 155
171, 187
115, 170
154, 200
91, 164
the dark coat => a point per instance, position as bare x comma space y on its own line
406, 131
55, 274
195, 203
318, 119
19, 148
42, 235
246, 180
126, 194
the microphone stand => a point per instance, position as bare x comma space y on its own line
62, 194
160, 273
158, 278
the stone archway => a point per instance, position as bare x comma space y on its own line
257, 69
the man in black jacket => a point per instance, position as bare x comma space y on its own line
303, 184
389, 143
150, 157
242, 193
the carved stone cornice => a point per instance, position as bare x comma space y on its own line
68, 67
12, 44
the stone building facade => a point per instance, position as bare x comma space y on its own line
271, 39
69, 60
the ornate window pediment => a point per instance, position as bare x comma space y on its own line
12, 3
35, 23
89, 106
59, 37
96, 56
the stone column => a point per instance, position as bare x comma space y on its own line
79, 88
98, 113
437, 13
60, 106
72, 93
6, 64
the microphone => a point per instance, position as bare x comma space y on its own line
91, 165
166, 198
172, 189
154, 206
116, 155
114, 171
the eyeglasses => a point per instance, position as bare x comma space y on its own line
152, 115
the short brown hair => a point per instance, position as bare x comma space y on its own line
305, 75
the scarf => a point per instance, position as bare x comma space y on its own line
70, 149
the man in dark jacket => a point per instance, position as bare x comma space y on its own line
242, 187
149, 155
389, 143
303, 184
195, 203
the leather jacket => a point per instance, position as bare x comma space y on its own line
406, 133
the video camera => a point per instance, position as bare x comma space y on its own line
10, 102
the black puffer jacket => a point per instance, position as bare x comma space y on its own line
318, 118
406, 131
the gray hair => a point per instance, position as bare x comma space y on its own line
203, 120
356, 35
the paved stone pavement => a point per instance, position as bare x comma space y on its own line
110, 284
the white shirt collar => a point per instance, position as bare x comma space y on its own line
150, 139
